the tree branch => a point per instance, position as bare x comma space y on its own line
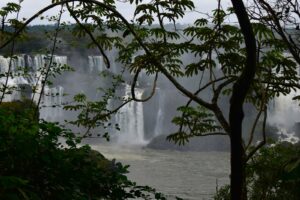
11, 57
139, 40
106, 60
263, 142
293, 49
50, 61
134, 84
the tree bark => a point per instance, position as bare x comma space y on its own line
240, 88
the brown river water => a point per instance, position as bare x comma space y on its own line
188, 175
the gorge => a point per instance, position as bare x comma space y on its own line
140, 123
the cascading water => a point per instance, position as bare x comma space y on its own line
285, 114
33, 78
131, 120
51, 105
286, 111
15, 80
160, 114
15, 62
31, 63
96, 63
53, 96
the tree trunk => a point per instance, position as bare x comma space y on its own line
238, 180
237, 160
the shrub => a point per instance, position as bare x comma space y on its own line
272, 174
41, 160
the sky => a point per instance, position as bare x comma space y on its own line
30, 7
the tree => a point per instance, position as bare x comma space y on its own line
279, 181
245, 62
283, 18
36, 165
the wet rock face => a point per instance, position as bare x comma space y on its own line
210, 143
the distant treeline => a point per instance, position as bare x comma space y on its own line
39, 39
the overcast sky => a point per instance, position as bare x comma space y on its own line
30, 7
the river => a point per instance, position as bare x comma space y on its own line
188, 175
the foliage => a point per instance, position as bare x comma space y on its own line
223, 193
19, 108
225, 54
193, 122
272, 174
216, 50
41, 160
95, 114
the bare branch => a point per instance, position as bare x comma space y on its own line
139, 40
106, 60
254, 126
295, 51
219, 89
134, 84
210, 134
11, 58
50, 61
102, 116
263, 142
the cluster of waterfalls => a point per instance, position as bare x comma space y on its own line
138, 123
29, 71
26, 70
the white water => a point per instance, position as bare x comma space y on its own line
131, 117
52, 99
15, 63
285, 114
131, 120
286, 111
160, 114
96, 63
52, 104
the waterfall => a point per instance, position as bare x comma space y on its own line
51, 106
16, 63
286, 113
31, 63
4, 63
53, 97
160, 114
15, 80
131, 120
96, 63
61, 60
